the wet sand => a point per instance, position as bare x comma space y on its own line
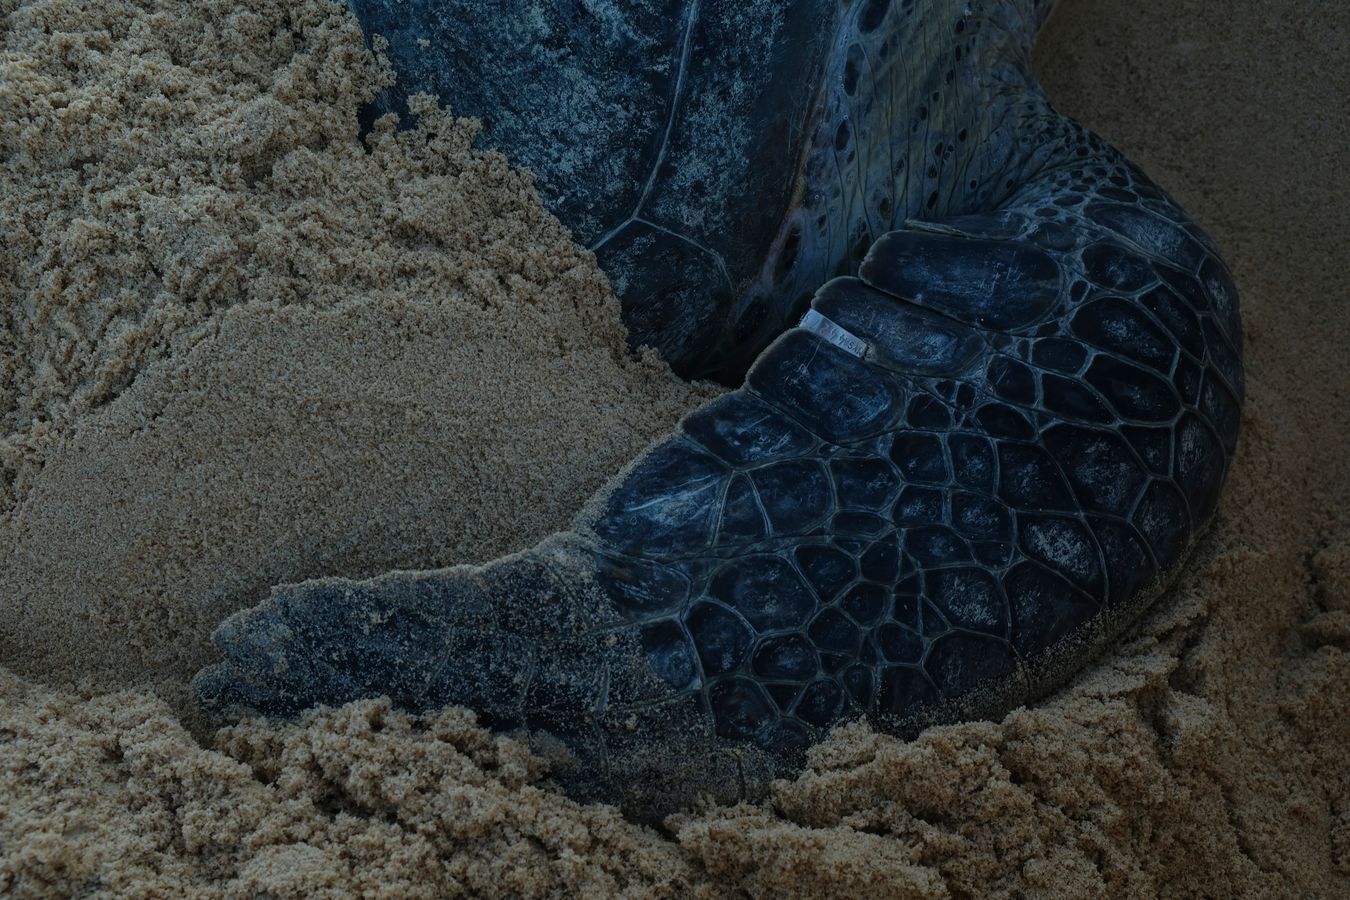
239, 350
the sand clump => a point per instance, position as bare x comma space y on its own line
241, 349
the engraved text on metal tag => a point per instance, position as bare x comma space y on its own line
840, 337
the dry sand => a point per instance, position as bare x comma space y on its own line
241, 351
237, 349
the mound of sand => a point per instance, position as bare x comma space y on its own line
243, 350
239, 349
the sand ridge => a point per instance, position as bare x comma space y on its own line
1205, 757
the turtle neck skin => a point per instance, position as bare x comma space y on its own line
724, 159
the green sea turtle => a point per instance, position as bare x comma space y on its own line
995, 390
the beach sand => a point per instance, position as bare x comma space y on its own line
237, 349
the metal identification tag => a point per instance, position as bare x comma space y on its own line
835, 334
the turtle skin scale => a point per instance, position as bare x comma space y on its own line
980, 455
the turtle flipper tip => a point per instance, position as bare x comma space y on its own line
332, 641
269, 669
226, 694
422, 639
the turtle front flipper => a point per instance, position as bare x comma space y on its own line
963, 472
